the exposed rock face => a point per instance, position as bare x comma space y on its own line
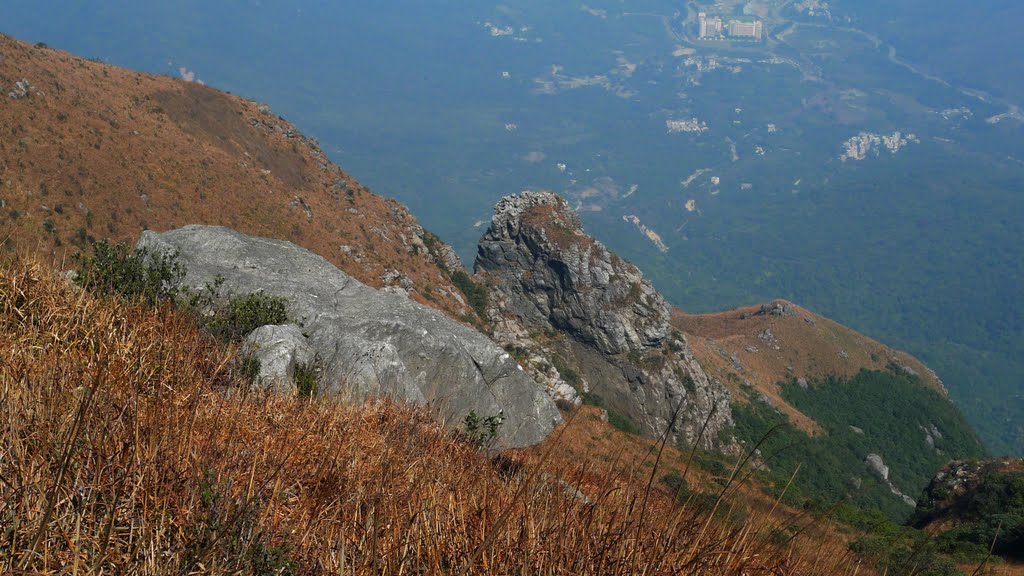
978, 502
22, 89
774, 308
279, 350
875, 464
557, 276
368, 342
584, 314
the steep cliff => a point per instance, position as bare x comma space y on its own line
587, 323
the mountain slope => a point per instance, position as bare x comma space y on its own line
96, 151
776, 342
137, 452
868, 425
93, 151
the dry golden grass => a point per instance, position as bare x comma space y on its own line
99, 152
126, 447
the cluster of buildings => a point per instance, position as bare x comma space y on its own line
715, 28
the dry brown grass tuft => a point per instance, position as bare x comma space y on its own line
126, 446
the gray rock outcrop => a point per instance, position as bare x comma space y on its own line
22, 89
279, 350
558, 276
368, 342
875, 464
568, 302
774, 308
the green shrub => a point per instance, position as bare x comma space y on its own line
570, 376
618, 421
266, 560
678, 485
306, 380
907, 553
482, 432
712, 462
476, 294
622, 422
243, 314
592, 399
117, 270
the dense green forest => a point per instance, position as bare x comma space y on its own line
888, 413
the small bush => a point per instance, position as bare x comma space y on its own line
622, 422
243, 314
482, 432
592, 399
306, 380
570, 376
618, 421
711, 462
475, 293
678, 485
911, 552
116, 270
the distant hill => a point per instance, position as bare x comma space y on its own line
765, 345
92, 151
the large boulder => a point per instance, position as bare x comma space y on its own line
367, 342
585, 317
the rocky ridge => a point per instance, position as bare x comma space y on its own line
587, 323
364, 342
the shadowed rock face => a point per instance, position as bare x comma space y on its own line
369, 342
559, 276
562, 298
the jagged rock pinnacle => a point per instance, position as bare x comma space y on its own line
584, 319
557, 274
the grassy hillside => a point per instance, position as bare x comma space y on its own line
131, 445
92, 151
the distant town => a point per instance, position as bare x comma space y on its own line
734, 28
